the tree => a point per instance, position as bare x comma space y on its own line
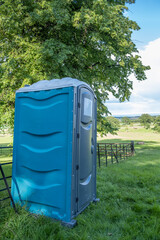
114, 124
126, 121
157, 124
145, 120
88, 40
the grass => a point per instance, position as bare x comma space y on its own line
129, 206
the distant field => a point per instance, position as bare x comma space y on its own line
5, 140
129, 206
135, 133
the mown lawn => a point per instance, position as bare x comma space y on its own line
129, 206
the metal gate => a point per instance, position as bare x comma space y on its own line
4, 184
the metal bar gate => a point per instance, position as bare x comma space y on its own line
114, 152
4, 179
7, 188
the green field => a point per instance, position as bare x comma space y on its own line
129, 206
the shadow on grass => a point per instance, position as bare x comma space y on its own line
119, 140
139, 144
146, 157
5, 145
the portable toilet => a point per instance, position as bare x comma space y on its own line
54, 150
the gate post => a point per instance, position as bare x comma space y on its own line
132, 148
98, 155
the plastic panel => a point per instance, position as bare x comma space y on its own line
42, 161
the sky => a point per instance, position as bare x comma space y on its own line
145, 96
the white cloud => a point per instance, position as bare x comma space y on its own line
145, 97
150, 88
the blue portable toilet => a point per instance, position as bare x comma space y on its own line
54, 150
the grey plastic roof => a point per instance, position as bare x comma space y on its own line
53, 84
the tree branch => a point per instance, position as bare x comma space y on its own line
98, 63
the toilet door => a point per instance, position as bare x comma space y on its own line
86, 148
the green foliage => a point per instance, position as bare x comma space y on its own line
89, 40
146, 120
126, 121
110, 124
114, 122
157, 124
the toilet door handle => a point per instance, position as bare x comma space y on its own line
92, 149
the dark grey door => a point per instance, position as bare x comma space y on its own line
86, 145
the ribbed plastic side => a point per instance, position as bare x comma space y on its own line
42, 161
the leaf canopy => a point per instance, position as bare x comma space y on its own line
89, 40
